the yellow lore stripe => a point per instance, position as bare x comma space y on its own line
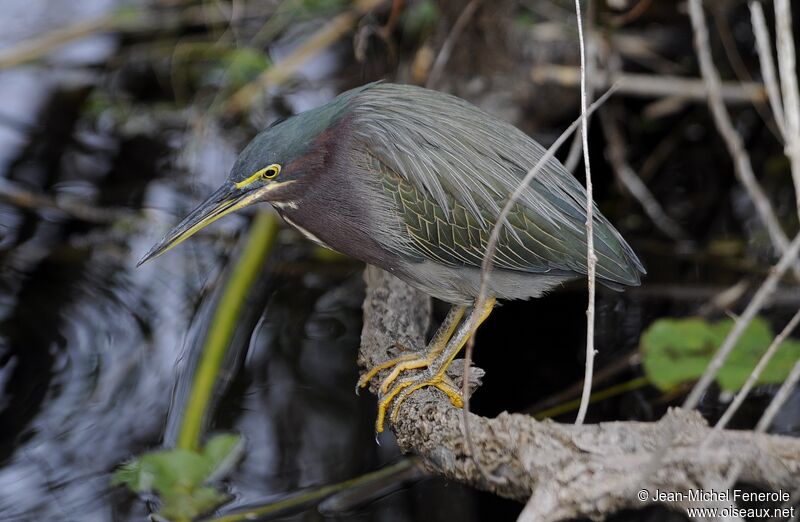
267, 172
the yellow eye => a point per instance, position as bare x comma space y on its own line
265, 173
271, 171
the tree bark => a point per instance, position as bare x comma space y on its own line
565, 470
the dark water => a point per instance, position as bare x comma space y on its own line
95, 353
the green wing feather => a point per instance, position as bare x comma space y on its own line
449, 168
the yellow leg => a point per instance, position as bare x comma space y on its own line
412, 361
435, 377
436, 346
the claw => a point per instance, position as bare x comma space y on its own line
441, 352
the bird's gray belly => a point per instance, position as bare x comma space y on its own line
453, 284
460, 285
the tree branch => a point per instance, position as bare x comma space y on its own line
569, 470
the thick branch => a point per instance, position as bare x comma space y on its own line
588, 470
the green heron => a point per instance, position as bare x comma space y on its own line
411, 180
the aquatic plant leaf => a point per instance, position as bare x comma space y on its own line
677, 351
180, 506
179, 476
222, 451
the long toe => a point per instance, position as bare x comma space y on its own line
375, 370
403, 389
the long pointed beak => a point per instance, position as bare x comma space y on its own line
225, 200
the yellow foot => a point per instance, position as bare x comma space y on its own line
443, 348
364, 380
403, 390
413, 361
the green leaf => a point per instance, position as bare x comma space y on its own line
188, 505
179, 476
222, 451
677, 351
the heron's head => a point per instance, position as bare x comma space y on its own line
266, 170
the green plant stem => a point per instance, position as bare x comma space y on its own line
597, 396
314, 495
259, 243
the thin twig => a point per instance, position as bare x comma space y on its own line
650, 85
759, 299
465, 394
591, 258
791, 97
491, 248
633, 183
780, 398
737, 65
494, 236
447, 48
767, 64
741, 159
433, 77
574, 155
772, 409
754, 375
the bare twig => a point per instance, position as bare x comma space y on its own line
632, 182
791, 97
767, 65
759, 299
486, 474
447, 48
491, 248
780, 398
772, 409
650, 85
755, 374
728, 41
494, 236
741, 159
588, 60
591, 258
433, 78
574, 154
